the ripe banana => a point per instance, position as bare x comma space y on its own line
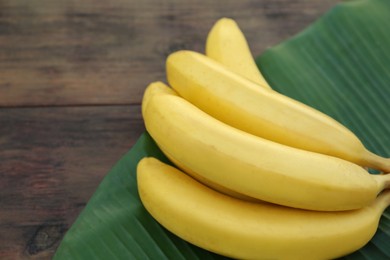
253, 166
227, 44
241, 103
159, 88
248, 230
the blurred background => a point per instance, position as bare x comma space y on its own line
72, 75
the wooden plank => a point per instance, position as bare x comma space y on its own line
51, 162
106, 52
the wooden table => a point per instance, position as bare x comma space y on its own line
72, 74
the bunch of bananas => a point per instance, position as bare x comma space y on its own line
258, 175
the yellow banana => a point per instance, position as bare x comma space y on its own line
159, 88
241, 103
248, 230
227, 44
253, 166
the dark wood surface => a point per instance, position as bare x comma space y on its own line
72, 74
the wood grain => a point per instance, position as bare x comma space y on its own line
51, 162
72, 74
105, 52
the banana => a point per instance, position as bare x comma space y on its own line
159, 88
241, 103
227, 44
253, 166
248, 230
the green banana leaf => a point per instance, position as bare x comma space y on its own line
338, 65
